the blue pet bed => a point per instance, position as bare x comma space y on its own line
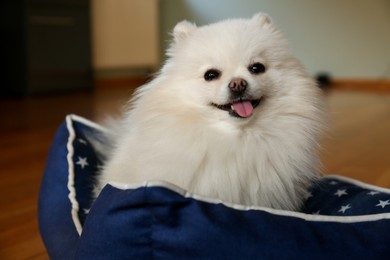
342, 219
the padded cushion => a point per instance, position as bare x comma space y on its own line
343, 218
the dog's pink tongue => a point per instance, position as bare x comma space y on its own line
243, 108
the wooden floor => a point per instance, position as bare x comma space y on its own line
358, 146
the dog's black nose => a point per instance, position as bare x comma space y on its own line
238, 85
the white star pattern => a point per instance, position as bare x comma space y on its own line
82, 141
383, 203
372, 193
82, 162
347, 199
344, 208
341, 192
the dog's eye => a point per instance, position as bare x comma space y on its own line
212, 74
256, 68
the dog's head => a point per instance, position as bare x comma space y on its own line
231, 68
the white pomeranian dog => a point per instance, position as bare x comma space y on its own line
232, 115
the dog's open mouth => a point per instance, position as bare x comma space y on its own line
240, 108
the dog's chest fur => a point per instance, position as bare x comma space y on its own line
245, 166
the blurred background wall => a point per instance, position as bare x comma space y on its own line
61, 45
125, 35
346, 38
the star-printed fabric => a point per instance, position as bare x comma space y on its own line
342, 218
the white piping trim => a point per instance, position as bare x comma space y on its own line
304, 216
186, 194
87, 122
71, 175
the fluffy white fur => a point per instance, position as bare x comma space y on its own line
172, 132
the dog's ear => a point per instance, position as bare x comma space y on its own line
182, 30
262, 19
